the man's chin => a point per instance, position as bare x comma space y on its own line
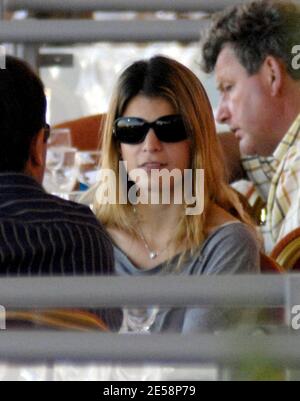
247, 149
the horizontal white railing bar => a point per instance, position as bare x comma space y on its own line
226, 349
238, 291
85, 31
121, 5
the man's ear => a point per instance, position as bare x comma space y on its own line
273, 70
37, 149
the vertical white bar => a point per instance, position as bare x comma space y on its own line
2, 318
292, 303
2, 57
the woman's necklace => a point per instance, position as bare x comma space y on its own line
151, 252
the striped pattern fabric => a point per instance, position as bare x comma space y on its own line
260, 171
41, 234
277, 179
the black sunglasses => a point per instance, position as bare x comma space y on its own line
133, 130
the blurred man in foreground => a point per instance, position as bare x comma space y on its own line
40, 233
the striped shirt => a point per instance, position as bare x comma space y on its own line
41, 234
277, 179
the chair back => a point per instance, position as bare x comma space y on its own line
86, 132
269, 266
57, 319
287, 251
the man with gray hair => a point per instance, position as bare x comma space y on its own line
252, 49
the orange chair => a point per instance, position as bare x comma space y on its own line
268, 265
85, 131
58, 319
287, 251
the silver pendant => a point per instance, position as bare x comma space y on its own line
152, 255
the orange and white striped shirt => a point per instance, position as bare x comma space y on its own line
277, 180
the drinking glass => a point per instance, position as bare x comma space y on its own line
60, 137
139, 320
88, 164
61, 169
73, 196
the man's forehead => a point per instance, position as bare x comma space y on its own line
227, 63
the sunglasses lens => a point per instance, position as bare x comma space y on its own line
170, 129
130, 130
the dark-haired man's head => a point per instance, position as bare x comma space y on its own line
250, 48
22, 120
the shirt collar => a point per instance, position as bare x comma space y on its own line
287, 141
9, 182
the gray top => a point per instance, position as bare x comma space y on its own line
231, 249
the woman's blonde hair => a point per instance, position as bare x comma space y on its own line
168, 79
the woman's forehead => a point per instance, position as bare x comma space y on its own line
148, 107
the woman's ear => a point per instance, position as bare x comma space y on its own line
273, 70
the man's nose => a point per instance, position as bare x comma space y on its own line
223, 113
151, 142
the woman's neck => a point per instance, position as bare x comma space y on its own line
154, 218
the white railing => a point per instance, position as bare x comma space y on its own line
242, 291
222, 350
226, 348
86, 31
121, 5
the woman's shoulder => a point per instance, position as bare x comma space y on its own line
231, 248
235, 231
220, 224
218, 217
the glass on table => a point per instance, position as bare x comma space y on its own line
61, 169
73, 196
139, 320
60, 137
88, 164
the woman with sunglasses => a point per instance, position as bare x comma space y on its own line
160, 119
